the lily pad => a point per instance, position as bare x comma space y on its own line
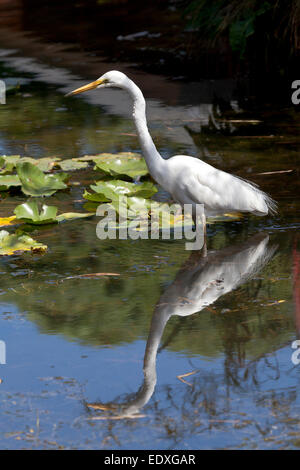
120, 165
70, 164
29, 212
6, 181
44, 164
107, 156
36, 183
72, 216
8, 163
106, 191
5, 221
12, 243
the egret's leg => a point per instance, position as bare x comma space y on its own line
204, 248
203, 222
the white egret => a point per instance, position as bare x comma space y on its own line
188, 179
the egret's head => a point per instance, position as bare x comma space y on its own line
110, 79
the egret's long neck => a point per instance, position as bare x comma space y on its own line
153, 159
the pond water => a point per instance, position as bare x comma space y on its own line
174, 351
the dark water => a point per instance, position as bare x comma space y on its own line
177, 352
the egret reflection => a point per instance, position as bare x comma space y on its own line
198, 284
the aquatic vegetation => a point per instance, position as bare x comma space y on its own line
38, 178
121, 165
36, 183
8, 163
6, 181
105, 191
30, 213
12, 243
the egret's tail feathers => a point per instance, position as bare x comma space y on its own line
270, 206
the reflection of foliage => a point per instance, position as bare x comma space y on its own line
112, 310
211, 411
54, 125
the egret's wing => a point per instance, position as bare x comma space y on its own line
219, 190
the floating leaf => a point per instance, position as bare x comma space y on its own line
6, 181
36, 183
5, 221
107, 156
29, 212
72, 164
106, 191
10, 244
8, 163
96, 197
121, 166
119, 187
72, 216
44, 164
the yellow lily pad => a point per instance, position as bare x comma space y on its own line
12, 243
5, 221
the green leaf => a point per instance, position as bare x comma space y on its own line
8, 163
10, 244
106, 191
239, 32
72, 216
44, 164
29, 212
6, 181
107, 156
117, 166
95, 197
36, 183
71, 164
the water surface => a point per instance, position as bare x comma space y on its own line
177, 351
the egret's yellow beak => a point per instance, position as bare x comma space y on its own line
89, 86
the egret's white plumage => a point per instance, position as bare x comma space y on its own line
188, 179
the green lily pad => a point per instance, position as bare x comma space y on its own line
29, 213
120, 165
36, 183
70, 164
106, 191
141, 209
8, 163
107, 156
12, 243
72, 216
44, 164
6, 181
